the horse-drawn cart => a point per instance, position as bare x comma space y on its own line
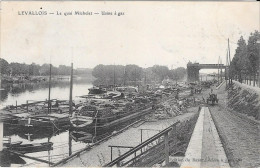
212, 99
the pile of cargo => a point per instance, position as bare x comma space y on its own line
166, 109
171, 105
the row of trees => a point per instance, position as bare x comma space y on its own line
133, 74
104, 74
246, 59
14, 69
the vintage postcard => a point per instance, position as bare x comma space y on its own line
129, 84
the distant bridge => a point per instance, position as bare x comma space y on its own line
194, 68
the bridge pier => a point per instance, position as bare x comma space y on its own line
193, 73
194, 68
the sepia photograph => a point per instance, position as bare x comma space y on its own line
130, 84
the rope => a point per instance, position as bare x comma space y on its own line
54, 124
61, 146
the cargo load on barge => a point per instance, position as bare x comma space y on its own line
98, 113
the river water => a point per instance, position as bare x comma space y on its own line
59, 90
63, 145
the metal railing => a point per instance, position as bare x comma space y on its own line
145, 143
63, 161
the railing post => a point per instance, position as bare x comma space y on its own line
141, 135
164, 133
166, 145
111, 152
141, 140
135, 157
118, 164
1, 135
27, 106
174, 132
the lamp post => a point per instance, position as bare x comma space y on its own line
258, 43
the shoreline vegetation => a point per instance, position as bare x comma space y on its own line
15, 73
21, 79
245, 63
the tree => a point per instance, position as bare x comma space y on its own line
34, 69
150, 75
180, 73
45, 70
64, 70
253, 53
133, 73
160, 71
240, 61
19, 69
4, 65
99, 72
117, 74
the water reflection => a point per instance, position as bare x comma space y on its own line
7, 159
4, 94
30, 134
63, 144
16, 89
39, 91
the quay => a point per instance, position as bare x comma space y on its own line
101, 154
154, 141
205, 148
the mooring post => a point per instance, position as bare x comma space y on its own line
166, 145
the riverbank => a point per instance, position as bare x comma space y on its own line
239, 134
168, 110
245, 100
167, 114
101, 154
5, 80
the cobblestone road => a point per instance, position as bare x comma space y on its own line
240, 136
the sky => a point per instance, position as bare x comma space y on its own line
149, 33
